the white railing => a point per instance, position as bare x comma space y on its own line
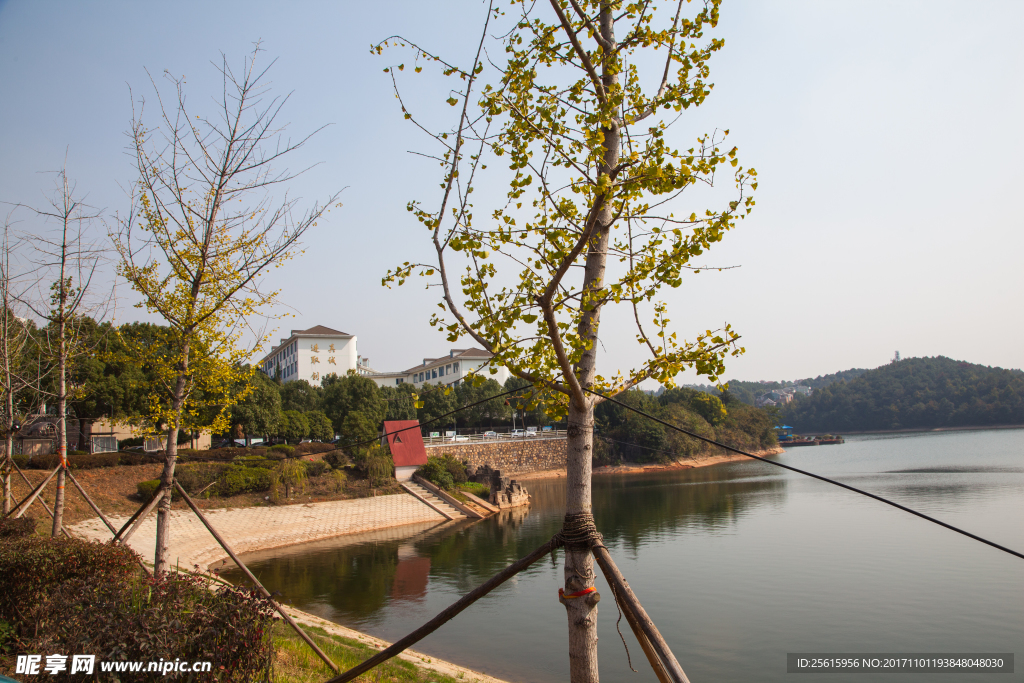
491, 438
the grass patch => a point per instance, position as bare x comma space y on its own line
478, 490
295, 662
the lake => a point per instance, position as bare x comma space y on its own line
737, 564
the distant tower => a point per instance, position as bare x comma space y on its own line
897, 358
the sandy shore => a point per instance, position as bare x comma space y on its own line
637, 469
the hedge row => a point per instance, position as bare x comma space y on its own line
248, 475
87, 461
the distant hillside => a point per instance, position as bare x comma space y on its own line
913, 393
824, 380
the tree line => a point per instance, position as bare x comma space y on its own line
623, 435
914, 393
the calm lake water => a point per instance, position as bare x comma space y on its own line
738, 564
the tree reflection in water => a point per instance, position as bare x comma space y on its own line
352, 579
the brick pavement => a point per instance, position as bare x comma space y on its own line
260, 528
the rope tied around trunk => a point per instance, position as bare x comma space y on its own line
578, 532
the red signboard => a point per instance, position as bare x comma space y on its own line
406, 444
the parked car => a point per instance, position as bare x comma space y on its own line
517, 434
230, 443
531, 431
490, 435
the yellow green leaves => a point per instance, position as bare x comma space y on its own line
452, 101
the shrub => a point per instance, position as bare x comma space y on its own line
77, 460
338, 478
476, 489
194, 477
133, 459
289, 474
31, 566
336, 458
444, 471
312, 447
437, 472
17, 528
20, 460
146, 489
316, 468
237, 479
282, 448
71, 596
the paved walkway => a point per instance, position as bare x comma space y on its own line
260, 528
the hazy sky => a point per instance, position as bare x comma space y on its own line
887, 138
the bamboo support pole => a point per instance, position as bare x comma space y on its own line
138, 518
241, 565
32, 496
630, 601
448, 614
41, 501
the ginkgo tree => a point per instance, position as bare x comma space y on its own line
599, 212
205, 226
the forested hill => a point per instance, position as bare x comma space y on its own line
912, 393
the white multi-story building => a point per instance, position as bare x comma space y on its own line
450, 369
312, 355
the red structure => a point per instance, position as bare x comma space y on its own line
406, 444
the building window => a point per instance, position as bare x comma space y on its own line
455, 367
433, 374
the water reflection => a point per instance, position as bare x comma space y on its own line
352, 579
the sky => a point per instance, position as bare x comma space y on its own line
887, 138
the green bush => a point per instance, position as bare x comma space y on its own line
32, 566
440, 471
134, 459
316, 468
313, 447
146, 489
20, 460
17, 528
194, 477
283, 448
67, 596
77, 460
338, 478
237, 479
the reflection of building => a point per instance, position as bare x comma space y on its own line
311, 355
411, 575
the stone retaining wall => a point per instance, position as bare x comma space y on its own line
511, 457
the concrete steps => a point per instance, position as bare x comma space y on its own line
433, 501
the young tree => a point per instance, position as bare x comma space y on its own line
260, 410
594, 216
18, 375
204, 227
66, 260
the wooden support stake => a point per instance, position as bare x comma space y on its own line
139, 517
41, 501
630, 601
448, 614
91, 504
32, 496
645, 645
256, 582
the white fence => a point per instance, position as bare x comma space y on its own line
449, 438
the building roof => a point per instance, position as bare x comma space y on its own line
320, 330
453, 354
407, 447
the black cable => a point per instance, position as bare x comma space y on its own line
810, 474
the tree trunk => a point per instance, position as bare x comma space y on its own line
8, 469
163, 510
85, 434
62, 422
579, 563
